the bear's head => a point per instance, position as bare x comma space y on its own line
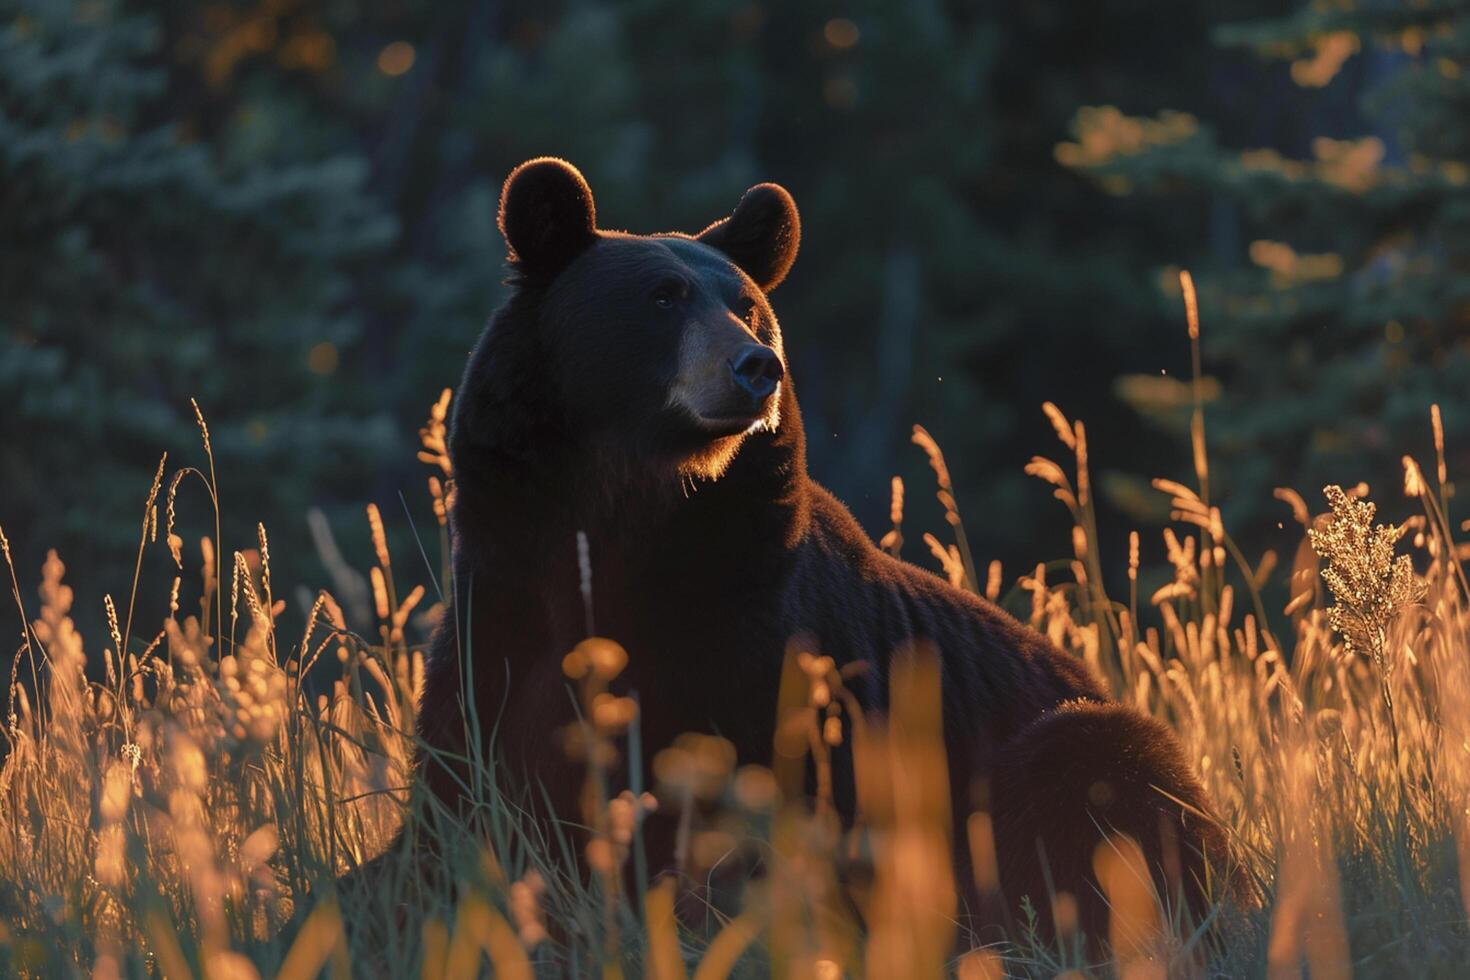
663, 347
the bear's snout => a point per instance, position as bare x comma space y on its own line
727, 380
757, 370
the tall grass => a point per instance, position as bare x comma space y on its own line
185, 805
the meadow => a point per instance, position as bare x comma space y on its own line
184, 803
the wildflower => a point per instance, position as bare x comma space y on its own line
525, 908
755, 788
948, 558
993, 580
1368, 582
1186, 572
434, 435
380, 537
892, 542
1060, 424
696, 765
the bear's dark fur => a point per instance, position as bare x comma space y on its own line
604, 398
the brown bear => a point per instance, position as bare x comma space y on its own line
635, 389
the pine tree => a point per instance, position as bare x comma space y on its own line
1335, 305
957, 275
143, 267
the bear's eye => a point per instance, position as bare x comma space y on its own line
667, 294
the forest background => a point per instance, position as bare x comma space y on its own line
285, 210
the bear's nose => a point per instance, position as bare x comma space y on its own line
757, 370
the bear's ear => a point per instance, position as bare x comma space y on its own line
762, 235
547, 216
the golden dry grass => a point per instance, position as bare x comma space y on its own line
183, 806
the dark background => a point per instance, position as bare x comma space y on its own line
286, 210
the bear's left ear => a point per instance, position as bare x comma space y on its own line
761, 237
547, 216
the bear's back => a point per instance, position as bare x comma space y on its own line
857, 602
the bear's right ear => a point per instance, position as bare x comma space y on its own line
547, 216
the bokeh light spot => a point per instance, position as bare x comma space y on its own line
840, 32
396, 58
323, 358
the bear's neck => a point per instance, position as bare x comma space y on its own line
652, 542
